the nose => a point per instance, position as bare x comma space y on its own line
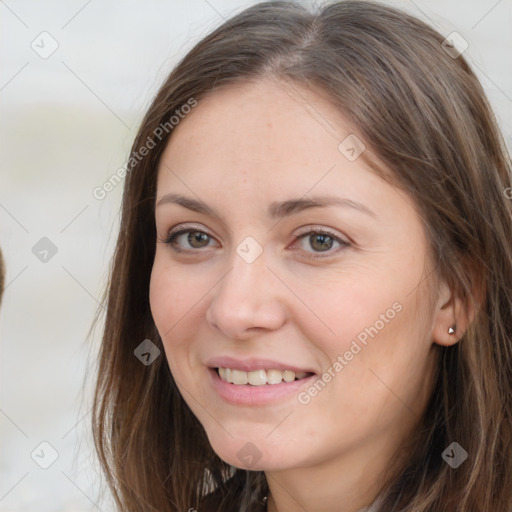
248, 299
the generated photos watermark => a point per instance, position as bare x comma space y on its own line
304, 397
163, 129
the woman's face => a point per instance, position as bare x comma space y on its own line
252, 290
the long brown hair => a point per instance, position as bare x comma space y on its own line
424, 113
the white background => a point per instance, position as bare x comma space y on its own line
67, 123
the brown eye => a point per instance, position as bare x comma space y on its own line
321, 242
195, 239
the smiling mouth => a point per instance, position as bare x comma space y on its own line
260, 377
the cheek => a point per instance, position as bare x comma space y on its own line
172, 295
178, 296
351, 307
167, 308
168, 305
373, 322
162, 298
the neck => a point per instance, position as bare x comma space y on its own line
354, 482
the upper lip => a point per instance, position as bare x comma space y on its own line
252, 364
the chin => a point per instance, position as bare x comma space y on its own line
253, 453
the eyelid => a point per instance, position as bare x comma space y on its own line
328, 231
187, 226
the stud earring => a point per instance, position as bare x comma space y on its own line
452, 329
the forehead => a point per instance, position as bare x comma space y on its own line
247, 150
277, 132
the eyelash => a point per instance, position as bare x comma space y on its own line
171, 240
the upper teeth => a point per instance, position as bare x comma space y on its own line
259, 377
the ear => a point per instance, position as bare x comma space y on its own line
451, 311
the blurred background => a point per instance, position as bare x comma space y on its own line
75, 80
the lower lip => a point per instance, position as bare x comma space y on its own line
256, 395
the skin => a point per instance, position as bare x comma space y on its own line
242, 148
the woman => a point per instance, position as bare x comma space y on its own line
309, 304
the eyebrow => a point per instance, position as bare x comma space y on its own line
277, 210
